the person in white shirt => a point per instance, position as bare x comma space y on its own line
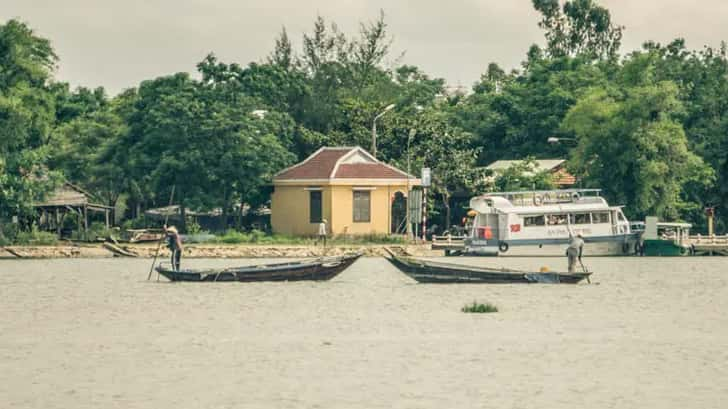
322, 231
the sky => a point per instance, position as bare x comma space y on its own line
117, 44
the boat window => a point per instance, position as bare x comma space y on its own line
556, 219
600, 217
620, 217
580, 218
534, 221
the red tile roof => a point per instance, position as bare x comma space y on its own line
321, 165
318, 166
368, 171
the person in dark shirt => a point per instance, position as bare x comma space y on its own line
174, 244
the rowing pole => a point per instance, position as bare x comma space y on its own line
159, 244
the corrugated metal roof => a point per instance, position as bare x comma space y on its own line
541, 164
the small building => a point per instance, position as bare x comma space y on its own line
347, 186
68, 198
556, 167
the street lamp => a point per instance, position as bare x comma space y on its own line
555, 140
374, 128
412, 133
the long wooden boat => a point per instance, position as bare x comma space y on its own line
317, 270
435, 272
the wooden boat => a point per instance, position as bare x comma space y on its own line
435, 272
317, 270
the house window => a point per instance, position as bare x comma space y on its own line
315, 204
362, 206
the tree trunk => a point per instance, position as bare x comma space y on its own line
446, 202
183, 215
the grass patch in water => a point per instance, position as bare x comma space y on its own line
480, 308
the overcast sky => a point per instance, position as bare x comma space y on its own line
117, 44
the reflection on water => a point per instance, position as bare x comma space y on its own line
94, 333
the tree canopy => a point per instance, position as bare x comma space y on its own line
650, 126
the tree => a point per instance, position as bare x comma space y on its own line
631, 146
580, 27
524, 175
26, 116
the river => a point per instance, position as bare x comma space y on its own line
93, 333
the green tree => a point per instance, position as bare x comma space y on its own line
523, 175
580, 27
631, 146
27, 113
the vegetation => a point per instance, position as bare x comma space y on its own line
476, 307
259, 237
649, 125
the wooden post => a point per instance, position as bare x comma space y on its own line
106, 216
85, 220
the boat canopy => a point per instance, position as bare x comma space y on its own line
540, 201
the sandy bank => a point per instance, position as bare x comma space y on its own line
203, 251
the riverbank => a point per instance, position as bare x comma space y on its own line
205, 251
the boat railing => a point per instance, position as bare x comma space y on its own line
538, 197
448, 242
714, 239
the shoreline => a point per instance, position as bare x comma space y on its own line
89, 251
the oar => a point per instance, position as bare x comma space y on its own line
585, 271
159, 244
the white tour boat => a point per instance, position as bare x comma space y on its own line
538, 223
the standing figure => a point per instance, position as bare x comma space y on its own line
322, 231
574, 251
174, 244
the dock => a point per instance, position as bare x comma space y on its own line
709, 245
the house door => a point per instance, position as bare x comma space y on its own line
399, 214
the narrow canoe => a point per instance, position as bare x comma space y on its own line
435, 272
317, 270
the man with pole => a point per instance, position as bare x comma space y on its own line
574, 251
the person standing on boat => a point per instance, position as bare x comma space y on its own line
574, 251
174, 244
322, 231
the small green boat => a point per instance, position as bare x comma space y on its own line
662, 239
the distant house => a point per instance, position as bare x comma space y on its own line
557, 168
68, 199
347, 186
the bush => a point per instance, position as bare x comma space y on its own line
480, 308
8, 233
35, 237
371, 238
140, 222
259, 237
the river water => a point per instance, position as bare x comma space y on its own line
93, 333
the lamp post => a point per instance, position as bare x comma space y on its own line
411, 134
555, 140
374, 128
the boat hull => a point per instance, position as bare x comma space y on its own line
444, 273
316, 270
608, 246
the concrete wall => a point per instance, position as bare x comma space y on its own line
290, 210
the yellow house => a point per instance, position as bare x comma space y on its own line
350, 188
